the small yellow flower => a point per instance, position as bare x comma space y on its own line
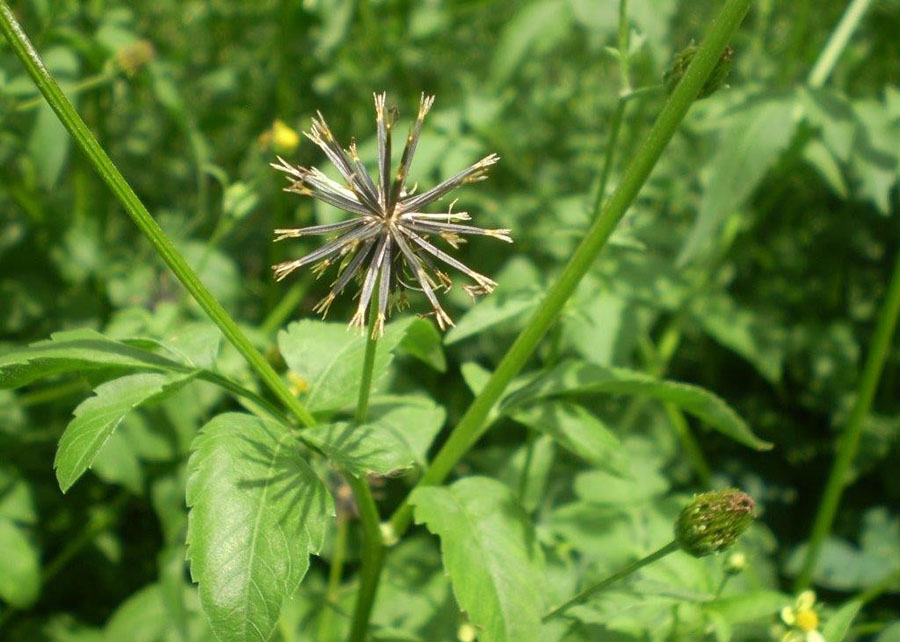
803, 620
284, 139
298, 384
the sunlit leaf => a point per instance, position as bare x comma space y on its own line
257, 512
491, 553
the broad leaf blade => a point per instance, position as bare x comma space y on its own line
257, 512
97, 418
76, 351
575, 378
329, 359
491, 553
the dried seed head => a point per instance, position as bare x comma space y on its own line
388, 237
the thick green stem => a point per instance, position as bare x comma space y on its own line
139, 214
373, 543
615, 577
470, 426
837, 42
848, 442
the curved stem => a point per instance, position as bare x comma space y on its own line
470, 427
848, 442
615, 577
373, 543
837, 42
139, 214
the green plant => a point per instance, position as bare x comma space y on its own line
571, 459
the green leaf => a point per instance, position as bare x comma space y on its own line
418, 418
140, 618
601, 487
20, 571
745, 607
749, 145
423, 341
257, 512
491, 554
97, 418
76, 351
533, 31
491, 312
329, 358
753, 335
377, 447
838, 625
575, 378
577, 430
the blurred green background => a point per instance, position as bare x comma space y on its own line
753, 263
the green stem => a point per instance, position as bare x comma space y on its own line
373, 543
286, 305
470, 426
837, 42
335, 572
139, 214
848, 442
615, 577
619, 114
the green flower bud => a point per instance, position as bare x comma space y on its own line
713, 521
683, 59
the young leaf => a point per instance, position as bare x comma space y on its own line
329, 359
76, 351
574, 377
491, 554
257, 512
377, 447
97, 418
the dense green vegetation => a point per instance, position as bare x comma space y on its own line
735, 330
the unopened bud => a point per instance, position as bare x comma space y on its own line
713, 521
736, 563
683, 59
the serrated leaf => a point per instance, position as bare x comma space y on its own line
76, 351
574, 378
491, 553
377, 447
577, 430
97, 418
20, 571
257, 512
328, 358
838, 624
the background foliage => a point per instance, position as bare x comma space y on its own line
752, 265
